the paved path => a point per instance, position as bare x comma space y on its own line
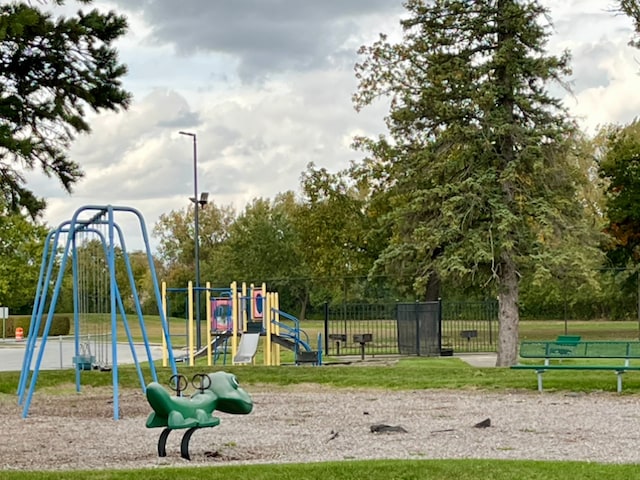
479, 359
58, 354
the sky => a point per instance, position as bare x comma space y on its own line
266, 86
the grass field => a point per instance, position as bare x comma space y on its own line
529, 329
385, 333
405, 374
363, 470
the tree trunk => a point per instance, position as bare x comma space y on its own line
433, 288
304, 301
508, 314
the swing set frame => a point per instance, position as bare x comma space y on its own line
94, 220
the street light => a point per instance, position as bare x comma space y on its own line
202, 201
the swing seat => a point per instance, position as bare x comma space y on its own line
84, 362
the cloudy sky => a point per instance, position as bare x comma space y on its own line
266, 85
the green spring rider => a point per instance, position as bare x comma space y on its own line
215, 391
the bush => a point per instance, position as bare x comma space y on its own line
60, 325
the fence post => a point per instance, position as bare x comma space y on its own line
439, 325
417, 319
326, 327
638, 304
490, 318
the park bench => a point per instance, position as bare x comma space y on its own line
572, 349
565, 343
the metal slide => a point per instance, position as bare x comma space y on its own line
303, 352
295, 339
247, 348
218, 341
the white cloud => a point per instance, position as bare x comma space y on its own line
614, 98
255, 137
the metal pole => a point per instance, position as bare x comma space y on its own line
326, 327
639, 304
196, 234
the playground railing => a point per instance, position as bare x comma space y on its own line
299, 336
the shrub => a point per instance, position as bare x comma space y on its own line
60, 325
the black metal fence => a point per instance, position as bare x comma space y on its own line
351, 328
470, 326
419, 328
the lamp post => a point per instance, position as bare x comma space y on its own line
202, 201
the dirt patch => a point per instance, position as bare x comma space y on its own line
311, 423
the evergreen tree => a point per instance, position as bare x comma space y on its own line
477, 153
631, 8
51, 70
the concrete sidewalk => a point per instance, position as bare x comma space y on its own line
479, 359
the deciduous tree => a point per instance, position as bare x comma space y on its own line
21, 244
620, 168
631, 8
264, 246
175, 232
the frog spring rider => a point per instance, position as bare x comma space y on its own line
215, 391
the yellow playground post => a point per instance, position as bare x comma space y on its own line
253, 311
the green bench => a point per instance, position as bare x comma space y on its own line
566, 348
564, 343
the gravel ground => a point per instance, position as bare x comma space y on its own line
312, 424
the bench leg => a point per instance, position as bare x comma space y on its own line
539, 380
619, 381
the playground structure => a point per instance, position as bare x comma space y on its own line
237, 317
91, 240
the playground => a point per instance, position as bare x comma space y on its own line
295, 424
90, 250
72, 426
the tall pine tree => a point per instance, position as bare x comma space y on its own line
477, 153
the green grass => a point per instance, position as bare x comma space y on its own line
529, 329
589, 330
359, 470
414, 374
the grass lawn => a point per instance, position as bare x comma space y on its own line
407, 374
529, 329
361, 470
